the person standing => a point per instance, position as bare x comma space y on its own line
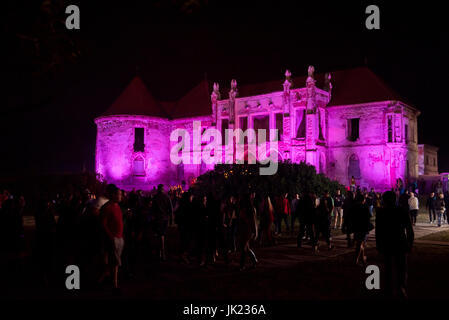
323, 220
294, 212
394, 240
403, 200
163, 210
232, 229
266, 221
361, 226
431, 207
286, 211
440, 208
183, 218
307, 213
247, 230
112, 222
413, 204
347, 218
338, 210
446, 204
370, 201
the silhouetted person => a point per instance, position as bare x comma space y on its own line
184, 220
430, 205
347, 219
338, 209
213, 209
446, 204
163, 210
323, 220
440, 208
394, 240
361, 226
111, 217
202, 225
403, 200
294, 212
266, 221
306, 218
247, 229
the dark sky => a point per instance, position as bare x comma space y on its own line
57, 81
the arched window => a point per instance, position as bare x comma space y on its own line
139, 166
354, 167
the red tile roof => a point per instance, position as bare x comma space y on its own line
360, 85
351, 86
136, 100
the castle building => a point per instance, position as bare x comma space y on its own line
349, 125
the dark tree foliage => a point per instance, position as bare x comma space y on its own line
236, 179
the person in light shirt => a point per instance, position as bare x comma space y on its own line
413, 205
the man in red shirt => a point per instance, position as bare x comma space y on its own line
112, 221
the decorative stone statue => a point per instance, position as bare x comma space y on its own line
215, 96
310, 84
232, 95
310, 71
327, 82
287, 85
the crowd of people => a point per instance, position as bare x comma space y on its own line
108, 232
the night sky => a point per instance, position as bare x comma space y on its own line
56, 81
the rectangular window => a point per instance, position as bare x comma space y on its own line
427, 160
390, 129
434, 162
301, 123
139, 139
353, 129
243, 123
406, 133
280, 125
262, 123
224, 127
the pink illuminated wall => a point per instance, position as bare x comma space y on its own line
377, 159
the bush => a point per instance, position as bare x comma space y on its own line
233, 179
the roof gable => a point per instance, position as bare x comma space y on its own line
136, 100
350, 86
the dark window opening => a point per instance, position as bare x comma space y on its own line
262, 123
406, 133
139, 140
280, 125
224, 127
320, 135
301, 132
390, 129
243, 123
353, 129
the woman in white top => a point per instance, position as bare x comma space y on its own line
413, 205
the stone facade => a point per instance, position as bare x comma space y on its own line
373, 139
428, 160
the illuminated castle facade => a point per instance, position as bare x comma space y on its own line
348, 124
